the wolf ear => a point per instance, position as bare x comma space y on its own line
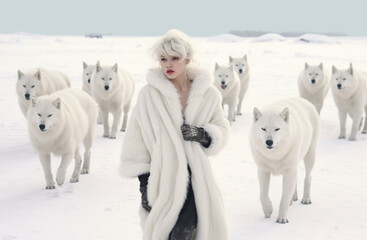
115, 68
306, 66
245, 57
34, 101
216, 66
20, 74
285, 115
85, 65
230, 59
38, 75
257, 114
334, 69
98, 67
57, 103
350, 70
321, 66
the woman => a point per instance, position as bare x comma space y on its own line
177, 122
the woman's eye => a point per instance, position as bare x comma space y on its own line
39, 115
277, 129
49, 115
175, 58
263, 129
163, 59
32, 86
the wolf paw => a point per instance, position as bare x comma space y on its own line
341, 137
50, 187
84, 171
268, 209
282, 220
106, 135
352, 139
74, 180
239, 114
112, 137
123, 130
364, 132
306, 201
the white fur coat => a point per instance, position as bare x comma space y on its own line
154, 143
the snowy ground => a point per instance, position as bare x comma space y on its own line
104, 206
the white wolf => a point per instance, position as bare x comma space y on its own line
281, 136
58, 123
228, 83
349, 89
240, 65
113, 89
87, 76
313, 85
37, 83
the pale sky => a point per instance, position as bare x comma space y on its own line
194, 17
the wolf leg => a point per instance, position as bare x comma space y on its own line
46, 165
61, 172
78, 164
342, 120
264, 181
289, 183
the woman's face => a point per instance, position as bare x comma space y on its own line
172, 66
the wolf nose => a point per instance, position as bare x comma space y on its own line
313, 81
42, 126
89, 80
240, 71
223, 82
106, 88
269, 142
27, 96
339, 86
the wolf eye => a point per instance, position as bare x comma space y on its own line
236, 65
309, 74
263, 129
317, 74
32, 86
87, 74
243, 65
336, 79
226, 75
220, 75
344, 79
103, 79
49, 115
110, 79
277, 129
39, 115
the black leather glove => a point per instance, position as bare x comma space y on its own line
143, 190
192, 133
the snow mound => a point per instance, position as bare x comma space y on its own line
18, 37
316, 38
225, 38
270, 37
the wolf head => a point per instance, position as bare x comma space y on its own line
313, 75
223, 76
240, 65
29, 84
342, 80
44, 113
106, 78
87, 74
271, 128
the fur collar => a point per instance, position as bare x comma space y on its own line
201, 78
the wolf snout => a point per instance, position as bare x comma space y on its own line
313, 81
88, 80
27, 96
240, 71
106, 88
42, 127
269, 143
339, 86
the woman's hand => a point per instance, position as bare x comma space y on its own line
192, 133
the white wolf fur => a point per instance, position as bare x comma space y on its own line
67, 118
240, 65
228, 84
350, 98
313, 85
36, 83
116, 99
283, 134
87, 76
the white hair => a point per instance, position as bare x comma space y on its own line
174, 43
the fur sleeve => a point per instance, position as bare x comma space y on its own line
218, 130
135, 157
